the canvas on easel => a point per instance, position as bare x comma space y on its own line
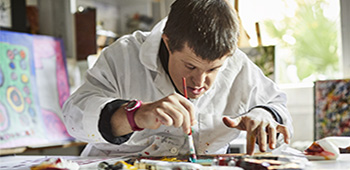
33, 88
20, 118
264, 58
332, 108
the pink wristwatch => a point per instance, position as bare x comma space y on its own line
130, 109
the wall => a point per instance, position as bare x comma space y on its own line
114, 14
106, 11
55, 19
301, 107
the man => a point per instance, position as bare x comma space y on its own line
198, 42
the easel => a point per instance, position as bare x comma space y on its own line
243, 40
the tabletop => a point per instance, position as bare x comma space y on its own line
89, 163
341, 163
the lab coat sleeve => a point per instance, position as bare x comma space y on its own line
81, 112
268, 94
104, 123
256, 89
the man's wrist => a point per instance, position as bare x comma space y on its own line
105, 127
130, 110
272, 111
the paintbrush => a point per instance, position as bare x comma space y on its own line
193, 156
239, 115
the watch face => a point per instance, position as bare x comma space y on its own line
131, 104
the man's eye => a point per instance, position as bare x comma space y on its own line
191, 67
213, 69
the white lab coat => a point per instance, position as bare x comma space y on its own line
130, 69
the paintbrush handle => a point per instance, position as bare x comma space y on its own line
193, 156
192, 148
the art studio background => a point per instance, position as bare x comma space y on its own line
46, 46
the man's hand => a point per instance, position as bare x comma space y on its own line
173, 110
260, 125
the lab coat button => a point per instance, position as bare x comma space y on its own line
173, 150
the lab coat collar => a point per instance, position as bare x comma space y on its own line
149, 49
149, 58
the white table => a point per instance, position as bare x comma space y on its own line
342, 163
87, 163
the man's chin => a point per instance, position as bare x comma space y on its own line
193, 96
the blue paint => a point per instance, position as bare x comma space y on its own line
12, 65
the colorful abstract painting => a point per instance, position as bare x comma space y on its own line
33, 88
332, 108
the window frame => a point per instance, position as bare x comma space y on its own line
345, 36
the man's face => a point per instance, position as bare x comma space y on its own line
200, 74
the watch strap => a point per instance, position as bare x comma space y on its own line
130, 113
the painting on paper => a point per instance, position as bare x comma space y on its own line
30, 100
332, 108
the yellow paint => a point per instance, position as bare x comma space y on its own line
128, 166
17, 103
24, 78
170, 159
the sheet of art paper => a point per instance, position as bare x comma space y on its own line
33, 88
332, 108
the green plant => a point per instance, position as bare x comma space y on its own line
315, 38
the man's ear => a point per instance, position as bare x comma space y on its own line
165, 40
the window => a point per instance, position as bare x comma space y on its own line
306, 34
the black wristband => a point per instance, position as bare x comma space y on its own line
104, 123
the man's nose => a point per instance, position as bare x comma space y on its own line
198, 79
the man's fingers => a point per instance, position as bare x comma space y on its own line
272, 136
188, 107
252, 131
187, 116
284, 130
262, 138
232, 123
251, 139
164, 118
183, 112
186, 125
175, 110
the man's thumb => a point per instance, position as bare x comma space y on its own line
233, 123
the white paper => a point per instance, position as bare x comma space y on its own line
333, 143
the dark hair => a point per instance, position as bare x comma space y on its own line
209, 27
